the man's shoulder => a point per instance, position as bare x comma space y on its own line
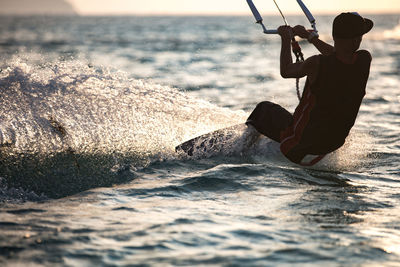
312, 66
364, 54
313, 60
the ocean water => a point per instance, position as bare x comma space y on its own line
91, 109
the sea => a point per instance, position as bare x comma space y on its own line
92, 108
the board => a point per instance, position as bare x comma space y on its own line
230, 140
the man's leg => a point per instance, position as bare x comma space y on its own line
270, 119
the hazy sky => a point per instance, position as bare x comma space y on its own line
93, 7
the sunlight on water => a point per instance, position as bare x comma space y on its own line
353, 154
392, 33
88, 171
75, 122
61, 106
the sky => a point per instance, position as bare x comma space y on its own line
190, 7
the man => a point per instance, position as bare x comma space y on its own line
332, 95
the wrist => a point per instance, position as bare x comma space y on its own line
286, 39
312, 36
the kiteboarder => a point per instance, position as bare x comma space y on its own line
332, 95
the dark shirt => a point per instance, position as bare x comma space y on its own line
328, 107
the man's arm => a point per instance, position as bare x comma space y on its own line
289, 69
323, 48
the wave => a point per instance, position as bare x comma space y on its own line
72, 120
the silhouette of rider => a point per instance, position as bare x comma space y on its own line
332, 95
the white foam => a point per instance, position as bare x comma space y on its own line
100, 111
351, 156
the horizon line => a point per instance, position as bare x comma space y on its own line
187, 14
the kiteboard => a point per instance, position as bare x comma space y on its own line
236, 140
231, 140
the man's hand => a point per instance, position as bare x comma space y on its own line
286, 32
324, 48
301, 32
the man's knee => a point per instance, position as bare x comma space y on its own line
260, 113
265, 106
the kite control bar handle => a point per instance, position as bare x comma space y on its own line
271, 31
259, 19
308, 14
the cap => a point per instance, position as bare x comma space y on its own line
351, 24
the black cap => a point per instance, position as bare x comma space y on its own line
350, 25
